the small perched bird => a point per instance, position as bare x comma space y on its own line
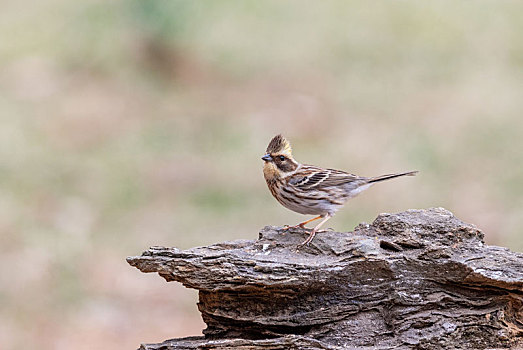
308, 189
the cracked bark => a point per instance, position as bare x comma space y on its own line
421, 279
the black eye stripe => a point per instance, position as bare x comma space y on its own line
286, 166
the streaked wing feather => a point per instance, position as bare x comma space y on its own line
340, 178
318, 178
314, 179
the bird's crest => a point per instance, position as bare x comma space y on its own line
279, 144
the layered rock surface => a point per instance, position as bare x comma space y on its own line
420, 279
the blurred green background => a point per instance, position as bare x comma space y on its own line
127, 124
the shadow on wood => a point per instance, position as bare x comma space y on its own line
419, 279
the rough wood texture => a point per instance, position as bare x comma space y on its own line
421, 279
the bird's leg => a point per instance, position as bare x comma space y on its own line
302, 224
314, 230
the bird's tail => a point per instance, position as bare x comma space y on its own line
391, 176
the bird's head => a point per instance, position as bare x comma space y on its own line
278, 158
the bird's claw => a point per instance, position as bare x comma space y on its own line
302, 245
309, 239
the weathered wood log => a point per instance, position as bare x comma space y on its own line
421, 279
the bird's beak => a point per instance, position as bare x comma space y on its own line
267, 158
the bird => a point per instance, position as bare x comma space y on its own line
309, 189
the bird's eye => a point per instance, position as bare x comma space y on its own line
282, 158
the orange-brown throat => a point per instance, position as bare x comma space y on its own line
270, 172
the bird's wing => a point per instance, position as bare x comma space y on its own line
309, 177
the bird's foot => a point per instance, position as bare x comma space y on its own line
302, 226
309, 239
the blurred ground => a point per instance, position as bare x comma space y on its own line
127, 124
